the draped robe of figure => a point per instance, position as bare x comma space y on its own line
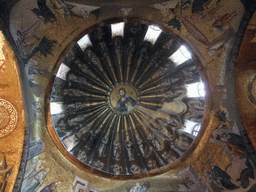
121, 103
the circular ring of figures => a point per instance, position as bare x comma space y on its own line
8, 117
124, 102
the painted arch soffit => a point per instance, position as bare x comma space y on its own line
122, 3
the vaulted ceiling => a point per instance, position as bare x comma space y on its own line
127, 95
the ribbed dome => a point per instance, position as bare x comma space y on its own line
123, 101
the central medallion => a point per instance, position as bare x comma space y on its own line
123, 98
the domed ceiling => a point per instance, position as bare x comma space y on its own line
127, 101
120, 109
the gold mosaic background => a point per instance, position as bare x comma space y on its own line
67, 29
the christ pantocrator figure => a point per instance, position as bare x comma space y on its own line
122, 102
